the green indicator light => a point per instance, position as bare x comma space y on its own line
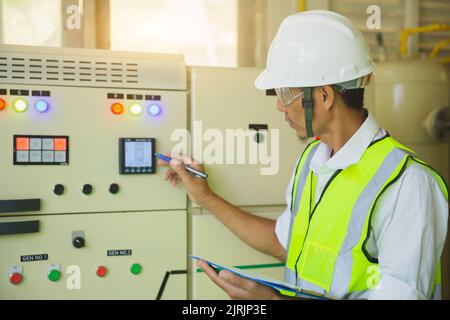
54, 275
136, 268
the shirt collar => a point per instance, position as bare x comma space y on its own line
350, 153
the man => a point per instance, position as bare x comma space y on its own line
364, 218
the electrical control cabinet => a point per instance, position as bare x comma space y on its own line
74, 222
225, 106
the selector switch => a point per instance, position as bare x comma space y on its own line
87, 189
114, 188
58, 189
78, 242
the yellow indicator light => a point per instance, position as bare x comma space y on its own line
20, 105
135, 109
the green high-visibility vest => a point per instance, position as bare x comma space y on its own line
327, 240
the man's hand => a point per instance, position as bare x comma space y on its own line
239, 288
197, 188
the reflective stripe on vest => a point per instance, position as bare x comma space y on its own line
326, 241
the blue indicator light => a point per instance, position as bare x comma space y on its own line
154, 110
41, 106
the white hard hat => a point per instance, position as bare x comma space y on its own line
316, 48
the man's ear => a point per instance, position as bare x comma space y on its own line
327, 96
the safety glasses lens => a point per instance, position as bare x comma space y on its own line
288, 95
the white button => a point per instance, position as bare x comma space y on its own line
47, 156
35, 143
60, 156
35, 156
47, 144
22, 156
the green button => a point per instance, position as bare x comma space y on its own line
54, 275
136, 268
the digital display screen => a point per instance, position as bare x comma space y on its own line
136, 155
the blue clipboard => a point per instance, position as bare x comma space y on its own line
267, 281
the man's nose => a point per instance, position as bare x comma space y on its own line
280, 106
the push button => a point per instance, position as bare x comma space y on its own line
101, 271
54, 275
15, 278
136, 269
58, 189
114, 188
54, 272
15, 275
87, 189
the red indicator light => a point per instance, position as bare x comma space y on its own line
15, 278
117, 108
22, 143
2, 104
101, 271
60, 144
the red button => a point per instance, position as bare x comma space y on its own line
22, 144
60, 144
101, 271
15, 278
2, 104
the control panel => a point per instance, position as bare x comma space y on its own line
85, 212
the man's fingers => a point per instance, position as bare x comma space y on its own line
178, 167
235, 280
233, 291
189, 161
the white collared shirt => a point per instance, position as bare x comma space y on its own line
409, 224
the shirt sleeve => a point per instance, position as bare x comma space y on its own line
284, 220
410, 226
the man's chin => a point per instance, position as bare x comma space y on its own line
302, 135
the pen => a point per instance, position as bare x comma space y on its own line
187, 167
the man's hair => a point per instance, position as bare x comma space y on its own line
353, 98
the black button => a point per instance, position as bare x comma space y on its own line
114, 188
58, 189
87, 189
78, 242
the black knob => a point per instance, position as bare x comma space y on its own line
114, 188
78, 242
87, 189
58, 189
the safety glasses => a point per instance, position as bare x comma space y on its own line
288, 95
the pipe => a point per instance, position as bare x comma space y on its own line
410, 31
438, 47
301, 5
445, 60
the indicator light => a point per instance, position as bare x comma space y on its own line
2, 104
154, 110
101, 271
54, 275
60, 144
117, 108
41, 106
15, 278
20, 105
22, 143
136, 268
135, 109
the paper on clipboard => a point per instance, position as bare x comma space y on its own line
276, 284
